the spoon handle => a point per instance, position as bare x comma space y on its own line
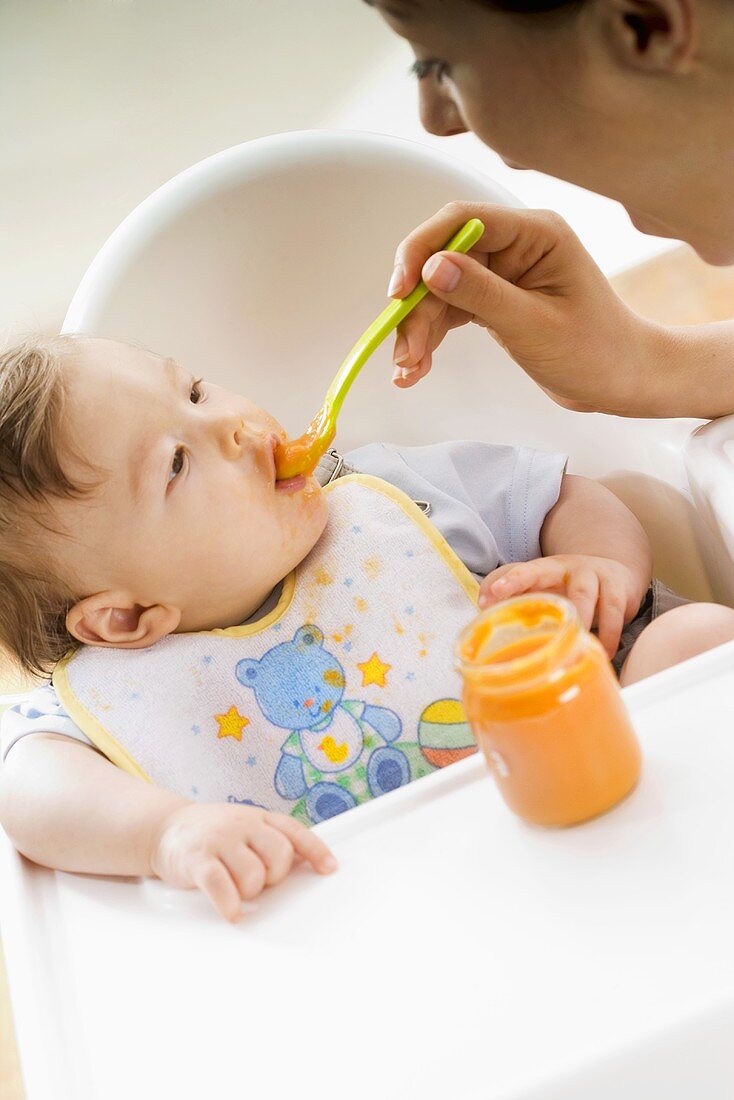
388, 321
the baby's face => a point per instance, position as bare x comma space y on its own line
188, 513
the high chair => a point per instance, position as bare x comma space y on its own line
458, 952
259, 266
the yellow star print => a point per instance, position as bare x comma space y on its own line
232, 723
374, 671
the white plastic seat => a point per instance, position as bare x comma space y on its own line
260, 266
709, 458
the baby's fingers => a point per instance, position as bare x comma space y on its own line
583, 592
275, 850
610, 614
527, 576
215, 881
306, 843
246, 868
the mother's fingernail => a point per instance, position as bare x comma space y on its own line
441, 273
401, 350
396, 281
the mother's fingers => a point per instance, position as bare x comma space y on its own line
416, 340
429, 237
406, 376
415, 331
517, 237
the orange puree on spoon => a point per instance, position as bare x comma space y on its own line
301, 456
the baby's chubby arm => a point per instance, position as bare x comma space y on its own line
595, 552
66, 807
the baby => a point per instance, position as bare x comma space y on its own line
142, 526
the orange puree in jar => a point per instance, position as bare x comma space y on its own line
546, 709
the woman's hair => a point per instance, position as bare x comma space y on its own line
34, 600
529, 7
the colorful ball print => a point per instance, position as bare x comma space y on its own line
444, 734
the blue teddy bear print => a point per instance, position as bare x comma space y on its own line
340, 751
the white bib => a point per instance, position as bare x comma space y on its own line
345, 691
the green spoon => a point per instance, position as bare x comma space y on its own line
300, 456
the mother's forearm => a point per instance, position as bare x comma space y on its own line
687, 371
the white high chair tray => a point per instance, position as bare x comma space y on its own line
457, 953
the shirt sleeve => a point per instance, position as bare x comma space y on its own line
489, 501
39, 712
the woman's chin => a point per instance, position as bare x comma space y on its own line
720, 254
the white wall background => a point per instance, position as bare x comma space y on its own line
103, 100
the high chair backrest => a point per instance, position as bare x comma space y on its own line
260, 266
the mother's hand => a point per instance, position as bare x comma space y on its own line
539, 294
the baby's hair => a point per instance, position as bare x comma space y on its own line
34, 600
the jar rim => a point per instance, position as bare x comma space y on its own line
567, 628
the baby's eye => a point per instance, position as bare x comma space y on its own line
179, 457
196, 391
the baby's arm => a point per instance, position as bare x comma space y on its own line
65, 806
589, 519
595, 552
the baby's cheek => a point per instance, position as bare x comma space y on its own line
313, 511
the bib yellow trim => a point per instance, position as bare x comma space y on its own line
107, 744
248, 629
91, 726
411, 509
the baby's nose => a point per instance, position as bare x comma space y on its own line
239, 431
234, 435
308, 702
231, 432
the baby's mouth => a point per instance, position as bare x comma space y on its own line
291, 484
288, 484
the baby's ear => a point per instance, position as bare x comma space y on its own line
112, 619
246, 671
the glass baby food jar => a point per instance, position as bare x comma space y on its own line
546, 709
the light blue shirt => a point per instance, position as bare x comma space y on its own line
488, 501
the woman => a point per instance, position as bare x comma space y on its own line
630, 98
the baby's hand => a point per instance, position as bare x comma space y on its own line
604, 592
231, 853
